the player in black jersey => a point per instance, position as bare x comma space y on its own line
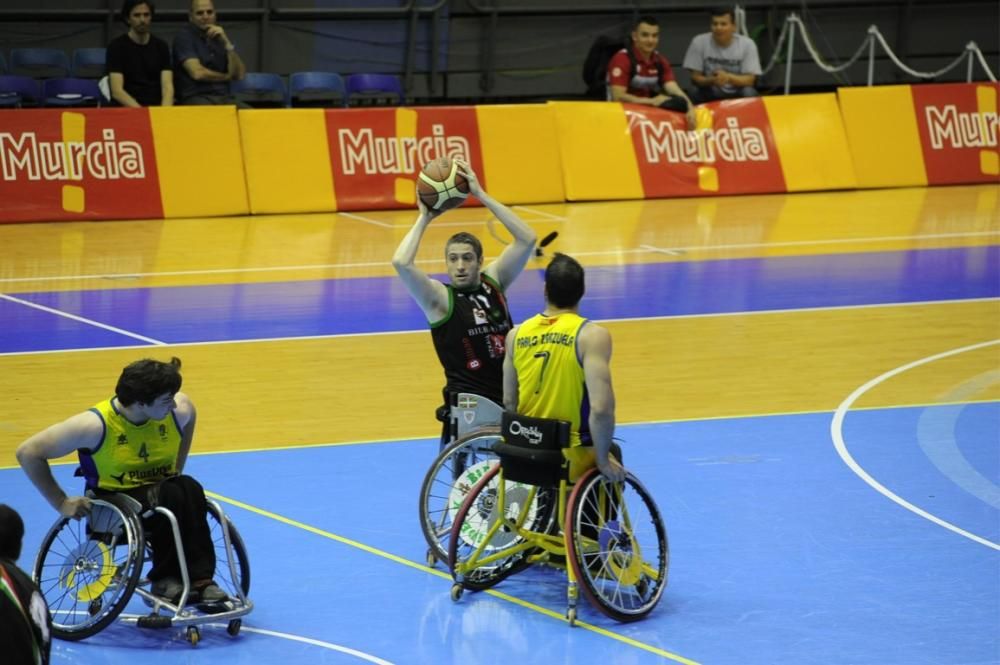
468, 317
25, 627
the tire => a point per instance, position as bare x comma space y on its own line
448, 481
87, 569
223, 575
606, 523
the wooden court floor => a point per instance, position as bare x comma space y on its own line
299, 345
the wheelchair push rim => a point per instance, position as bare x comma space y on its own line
617, 545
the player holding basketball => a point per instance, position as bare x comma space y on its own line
468, 317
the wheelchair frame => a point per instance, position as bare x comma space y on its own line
94, 570
494, 536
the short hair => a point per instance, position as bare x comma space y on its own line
145, 380
722, 10
647, 19
11, 533
564, 282
129, 5
468, 239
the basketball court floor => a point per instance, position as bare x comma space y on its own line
809, 386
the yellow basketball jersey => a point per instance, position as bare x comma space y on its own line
131, 455
549, 373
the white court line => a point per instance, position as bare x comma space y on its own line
808, 243
366, 220
89, 322
837, 434
542, 213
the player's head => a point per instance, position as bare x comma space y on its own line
11, 533
723, 25
463, 256
564, 283
646, 34
138, 14
144, 381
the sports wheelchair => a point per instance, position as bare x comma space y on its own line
456, 468
545, 502
89, 569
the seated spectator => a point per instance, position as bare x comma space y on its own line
638, 74
25, 626
205, 61
139, 69
723, 64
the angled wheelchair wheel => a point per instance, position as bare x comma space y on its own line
617, 545
480, 556
448, 481
87, 569
230, 579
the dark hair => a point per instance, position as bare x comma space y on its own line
11, 533
145, 380
129, 5
564, 281
647, 19
468, 239
722, 10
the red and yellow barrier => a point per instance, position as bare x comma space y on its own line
932, 134
201, 161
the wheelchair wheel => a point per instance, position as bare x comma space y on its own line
452, 475
478, 513
617, 545
241, 563
87, 569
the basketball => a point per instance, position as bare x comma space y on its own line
441, 186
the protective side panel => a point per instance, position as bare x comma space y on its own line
958, 131
883, 137
809, 133
200, 160
598, 158
376, 153
521, 153
287, 160
77, 164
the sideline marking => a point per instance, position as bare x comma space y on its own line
80, 319
837, 434
422, 568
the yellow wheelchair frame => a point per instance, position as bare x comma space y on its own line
609, 537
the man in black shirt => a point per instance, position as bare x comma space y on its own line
25, 627
469, 318
139, 67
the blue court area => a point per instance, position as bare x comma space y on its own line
779, 554
175, 315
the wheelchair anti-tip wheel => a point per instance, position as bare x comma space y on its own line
450, 478
473, 536
617, 545
87, 569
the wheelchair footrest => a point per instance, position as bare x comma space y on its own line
154, 621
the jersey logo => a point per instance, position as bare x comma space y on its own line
120, 478
480, 316
122, 440
162, 429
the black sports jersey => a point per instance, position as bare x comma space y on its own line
470, 340
24, 618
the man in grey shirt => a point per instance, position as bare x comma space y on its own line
723, 64
205, 61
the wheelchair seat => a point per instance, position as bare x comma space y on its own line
531, 450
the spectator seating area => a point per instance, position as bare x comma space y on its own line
34, 77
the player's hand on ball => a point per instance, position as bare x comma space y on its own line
465, 169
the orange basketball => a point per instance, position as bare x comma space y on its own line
441, 186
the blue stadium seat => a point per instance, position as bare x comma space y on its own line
71, 92
39, 63
17, 91
316, 89
374, 89
89, 63
261, 90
